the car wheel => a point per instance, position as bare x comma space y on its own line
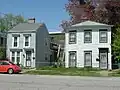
10, 71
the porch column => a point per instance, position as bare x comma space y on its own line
33, 59
66, 60
15, 58
24, 58
109, 60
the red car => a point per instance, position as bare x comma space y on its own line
9, 67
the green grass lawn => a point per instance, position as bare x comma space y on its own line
74, 72
65, 71
115, 73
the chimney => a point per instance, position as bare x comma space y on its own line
31, 20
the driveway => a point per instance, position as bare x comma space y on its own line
42, 82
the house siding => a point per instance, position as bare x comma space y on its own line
41, 49
80, 46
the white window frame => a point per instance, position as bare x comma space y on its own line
18, 38
74, 33
28, 42
73, 59
90, 34
15, 56
86, 64
100, 33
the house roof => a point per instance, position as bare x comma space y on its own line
90, 23
22, 27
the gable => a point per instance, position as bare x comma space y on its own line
90, 23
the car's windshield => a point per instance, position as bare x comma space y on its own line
12, 63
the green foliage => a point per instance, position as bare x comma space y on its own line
65, 71
116, 44
2, 53
68, 69
58, 37
8, 21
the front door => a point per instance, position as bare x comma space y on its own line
103, 58
72, 59
28, 58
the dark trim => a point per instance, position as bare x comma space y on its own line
16, 35
26, 34
89, 30
15, 50
73, 32
29, 49
89, 51
107, 55
104, 30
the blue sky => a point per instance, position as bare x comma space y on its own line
51, 13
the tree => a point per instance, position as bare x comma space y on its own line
104, 11
116, 44
78, 11
8, 21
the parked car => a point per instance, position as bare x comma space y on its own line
7, 66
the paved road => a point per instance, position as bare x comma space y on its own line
32, 82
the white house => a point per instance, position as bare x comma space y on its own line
88, 44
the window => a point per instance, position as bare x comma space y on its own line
5, 63
103, 36
18, 57
88, 36
72, 59
13, 57
45, 56
72, 37
26, 40
88, 58
15, 41
15, 38
46, 40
